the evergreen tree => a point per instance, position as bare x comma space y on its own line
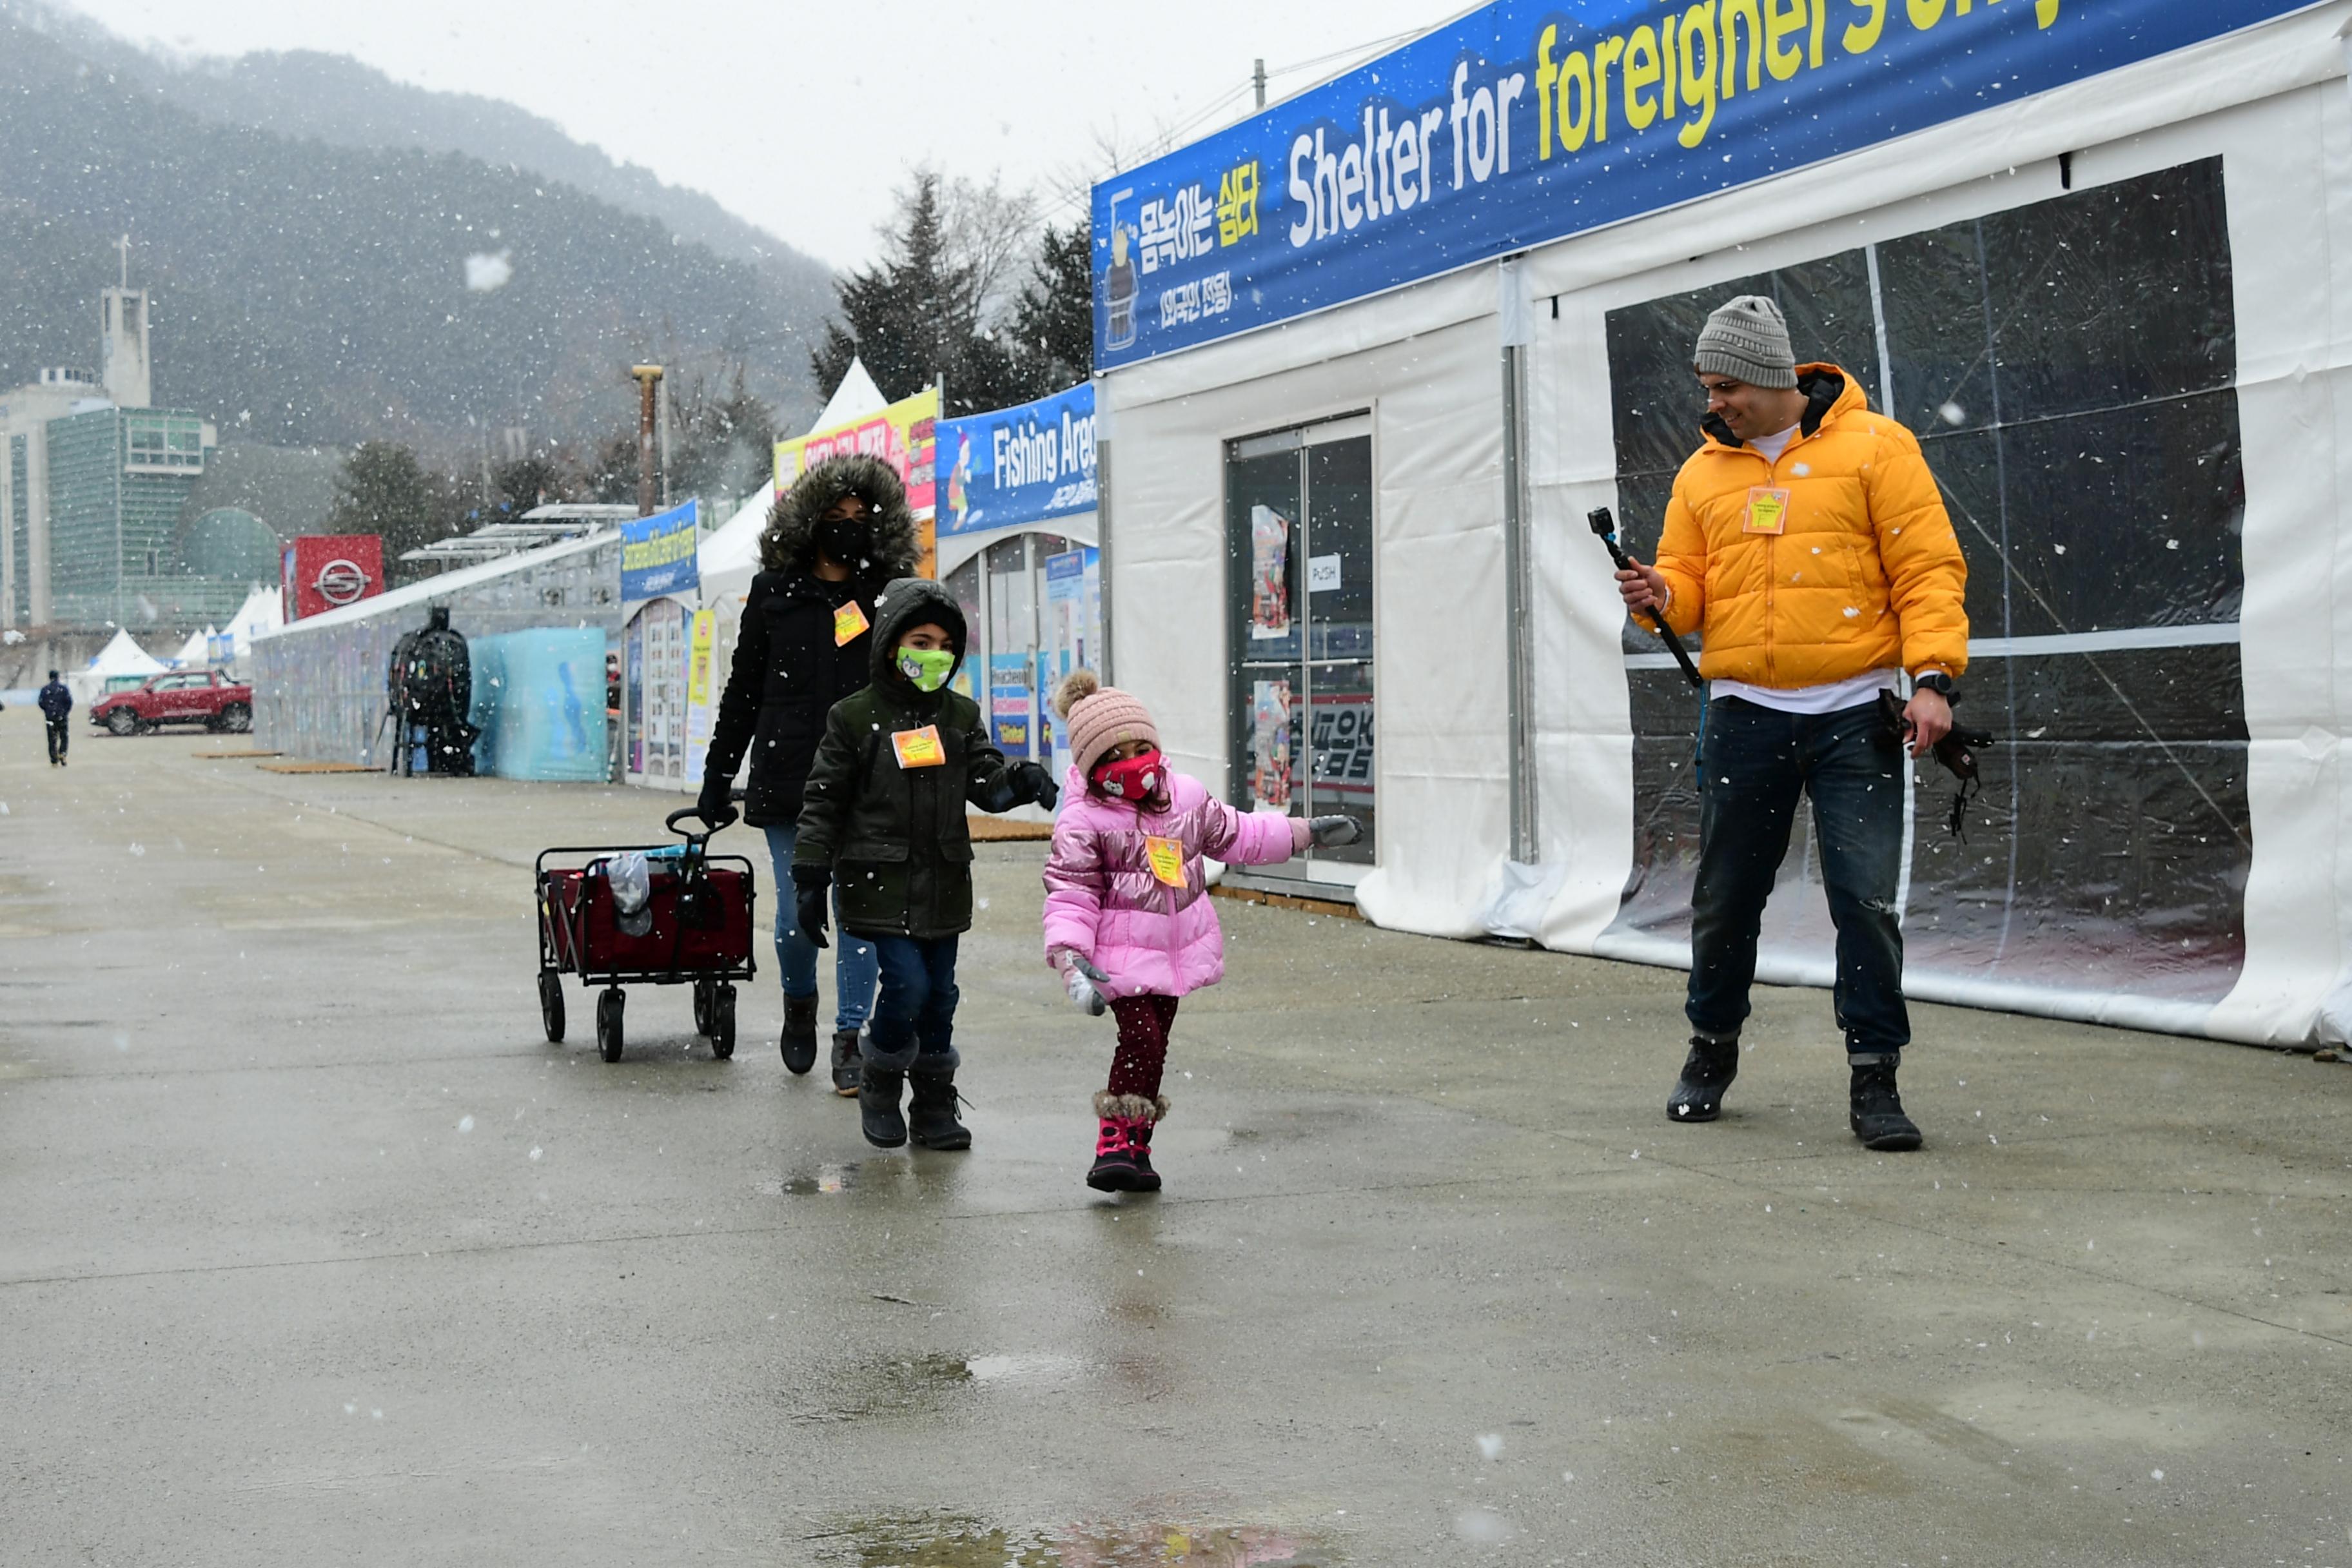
1052, 327
383, 489
907, 316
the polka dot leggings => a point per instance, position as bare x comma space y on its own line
1143, 1024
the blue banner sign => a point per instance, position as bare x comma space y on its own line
1015, 465
657, 553
1523, 122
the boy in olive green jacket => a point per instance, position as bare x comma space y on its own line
883, 814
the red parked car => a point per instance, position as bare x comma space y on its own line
203, 697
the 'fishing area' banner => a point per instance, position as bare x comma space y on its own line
657, 553
1024, 465
1523, 122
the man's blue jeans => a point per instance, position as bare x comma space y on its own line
1754, 763
853, 961
915, 1012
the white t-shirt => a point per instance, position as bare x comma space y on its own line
1824, 699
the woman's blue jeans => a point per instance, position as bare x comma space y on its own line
854, 965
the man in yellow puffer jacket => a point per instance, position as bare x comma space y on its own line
1807, 544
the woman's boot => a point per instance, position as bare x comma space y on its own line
1708, 1071
931, 1119
799, 1041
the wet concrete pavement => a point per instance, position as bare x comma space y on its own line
312, 1249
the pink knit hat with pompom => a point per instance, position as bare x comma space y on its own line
1097, 717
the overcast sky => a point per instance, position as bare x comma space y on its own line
802, 116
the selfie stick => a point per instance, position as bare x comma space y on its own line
1605, 526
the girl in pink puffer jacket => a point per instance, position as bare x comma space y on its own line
1128, 920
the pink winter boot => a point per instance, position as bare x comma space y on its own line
1122, 1163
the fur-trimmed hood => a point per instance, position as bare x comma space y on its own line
789, 541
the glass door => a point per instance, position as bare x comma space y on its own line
1299, 555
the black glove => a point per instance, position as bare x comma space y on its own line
809, 889
1329, 832
712, 805
1037, 784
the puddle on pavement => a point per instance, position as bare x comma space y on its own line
955, 1542
838, 1178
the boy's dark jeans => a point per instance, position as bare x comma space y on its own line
1754, 763
915, 1008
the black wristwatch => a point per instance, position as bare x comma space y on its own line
1936, 682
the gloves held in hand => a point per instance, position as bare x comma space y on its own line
1329, 832
1081, 979
1037, 784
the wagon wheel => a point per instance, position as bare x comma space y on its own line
702, 989
608, 1023
550, 1005
722, 1022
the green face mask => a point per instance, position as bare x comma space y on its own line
927, 668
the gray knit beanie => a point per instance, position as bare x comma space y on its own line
1749, 339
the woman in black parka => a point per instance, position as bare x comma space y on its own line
832, 540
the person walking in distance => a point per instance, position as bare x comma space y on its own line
56, 703
840, 532
1129, 921
1808, 544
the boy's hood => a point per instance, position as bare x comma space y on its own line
907, 602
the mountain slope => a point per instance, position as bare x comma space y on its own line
306, 292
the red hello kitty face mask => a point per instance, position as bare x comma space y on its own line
1136, 779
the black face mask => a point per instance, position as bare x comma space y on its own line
847, 540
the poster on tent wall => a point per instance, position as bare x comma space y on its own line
657, 553
701, 688
1072, 630
1015, 467
1521, 122
904, 435
1009, 677
660, 699
633, 695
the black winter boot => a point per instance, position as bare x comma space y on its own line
932, 1118
1708, 1071
844, 1062
1877, 1115
882, 1080
799, 1041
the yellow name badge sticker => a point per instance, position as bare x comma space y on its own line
849, 622
1167, 859
919, 748
1768, 511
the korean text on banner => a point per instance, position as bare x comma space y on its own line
1522, 123
657, 553
1015, 466
903, 436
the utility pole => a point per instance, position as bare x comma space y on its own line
648, 377
661, 414
1257, 80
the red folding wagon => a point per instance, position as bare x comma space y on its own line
694, 928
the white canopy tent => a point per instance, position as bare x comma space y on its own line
119, 658
264, 611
